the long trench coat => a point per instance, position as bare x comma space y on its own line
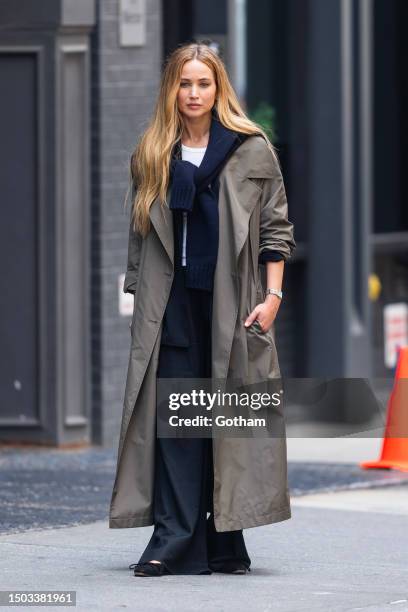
250, 474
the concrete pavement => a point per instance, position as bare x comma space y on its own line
333, 450
340, 551
344, 549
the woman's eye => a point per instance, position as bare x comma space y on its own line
188, 84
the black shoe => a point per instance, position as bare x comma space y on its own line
149, 569
231, 567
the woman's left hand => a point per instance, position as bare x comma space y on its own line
264, 313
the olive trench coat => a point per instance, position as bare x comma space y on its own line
250, 474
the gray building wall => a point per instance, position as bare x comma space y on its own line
124, 88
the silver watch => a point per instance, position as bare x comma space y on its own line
274, 292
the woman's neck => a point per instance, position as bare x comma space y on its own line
196, 131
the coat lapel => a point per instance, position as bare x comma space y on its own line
162, 220
238, 193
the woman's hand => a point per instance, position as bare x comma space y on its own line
264, 313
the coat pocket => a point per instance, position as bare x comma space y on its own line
260, 350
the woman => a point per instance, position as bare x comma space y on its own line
209, 213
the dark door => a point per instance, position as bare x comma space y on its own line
18, 240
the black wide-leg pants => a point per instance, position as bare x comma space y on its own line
184, 539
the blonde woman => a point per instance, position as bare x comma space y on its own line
209, 210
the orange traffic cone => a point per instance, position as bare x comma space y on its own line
394, 453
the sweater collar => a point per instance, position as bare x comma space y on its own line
222, 143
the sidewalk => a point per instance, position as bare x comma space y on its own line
347, 449
340, 551
345, 547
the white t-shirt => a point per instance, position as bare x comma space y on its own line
195, 156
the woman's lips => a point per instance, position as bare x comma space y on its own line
194, 105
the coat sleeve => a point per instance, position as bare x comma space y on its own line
276, 231
133, 259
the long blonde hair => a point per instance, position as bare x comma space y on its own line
149, 168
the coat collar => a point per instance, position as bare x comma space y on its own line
252, 159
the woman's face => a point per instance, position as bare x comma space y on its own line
197, 91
